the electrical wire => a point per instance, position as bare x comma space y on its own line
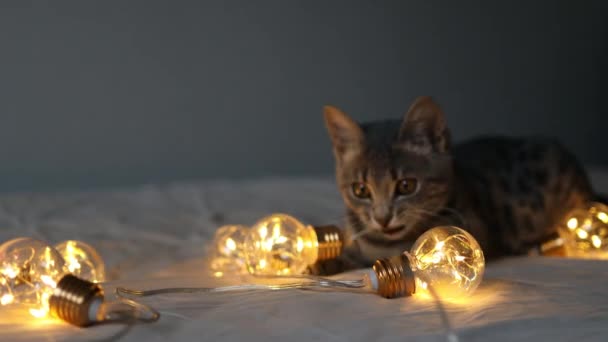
312, 282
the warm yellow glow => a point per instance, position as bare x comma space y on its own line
585, 233
281, 239
48, 257
228, 254
30, 270
230, 244
587, 224
38, 313
268, 245
602, 216
288, 248
70, 257
6, 299
582, 234
597, 242
43, 310
276, 231
263, 231
218, 274
437, 257
82, 260
10, 271
47, 280
449, 260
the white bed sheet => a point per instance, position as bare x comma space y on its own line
155, 236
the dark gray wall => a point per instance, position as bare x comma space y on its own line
106, 93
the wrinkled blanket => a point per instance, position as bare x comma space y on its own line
156, 236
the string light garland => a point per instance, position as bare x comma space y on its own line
277, 244
446, 258
582, 233
36, 276
64, 281
445, 263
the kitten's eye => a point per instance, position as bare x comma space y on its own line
406, 186
361, 190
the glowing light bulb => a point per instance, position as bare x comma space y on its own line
29, 271
447, 259
584, 232
228, 254
82, 260
34, 275
281, 245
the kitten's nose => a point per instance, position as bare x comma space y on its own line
382, 220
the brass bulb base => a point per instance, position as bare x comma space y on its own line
330, 240
394, 277
76, 301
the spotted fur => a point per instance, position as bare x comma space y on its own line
509, 193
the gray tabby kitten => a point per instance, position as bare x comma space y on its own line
400, 178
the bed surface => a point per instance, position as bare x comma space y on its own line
155, 236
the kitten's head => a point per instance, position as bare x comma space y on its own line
393, 175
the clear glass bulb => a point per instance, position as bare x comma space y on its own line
585, 231
35, 276
29, 272
229, 251
446, 260
450, 260
280, 245
82, 260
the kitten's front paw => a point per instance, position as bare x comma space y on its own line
327, 267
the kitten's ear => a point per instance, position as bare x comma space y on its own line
424, 128
345, 134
